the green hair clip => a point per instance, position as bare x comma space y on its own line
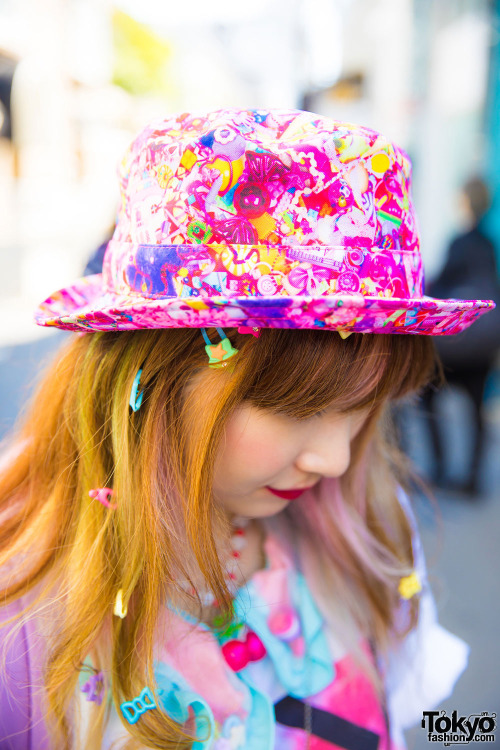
218, 353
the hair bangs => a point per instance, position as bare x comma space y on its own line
302, 372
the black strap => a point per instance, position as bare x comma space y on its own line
291, 712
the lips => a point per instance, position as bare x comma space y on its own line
288, 494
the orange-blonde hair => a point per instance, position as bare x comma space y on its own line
79, 433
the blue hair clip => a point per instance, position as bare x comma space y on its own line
136, 400
133, 710
218, 353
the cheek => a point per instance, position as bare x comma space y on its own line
358, 422
251, 451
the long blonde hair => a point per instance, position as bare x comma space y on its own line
79, 433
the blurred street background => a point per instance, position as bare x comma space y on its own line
78, 78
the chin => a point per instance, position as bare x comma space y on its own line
261, 510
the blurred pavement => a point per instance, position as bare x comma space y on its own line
460, 537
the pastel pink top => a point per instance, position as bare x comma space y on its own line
305, 681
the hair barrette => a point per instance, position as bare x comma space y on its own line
247, 329
102, 495
218, 353
94, 687
133, 710
136, 400
120, 610
409, 585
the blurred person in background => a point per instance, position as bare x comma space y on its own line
470, 270
7, 67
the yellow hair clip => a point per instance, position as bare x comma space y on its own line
120, 610
409, 585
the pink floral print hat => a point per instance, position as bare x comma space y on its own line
261, 218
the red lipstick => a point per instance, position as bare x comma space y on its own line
288, 494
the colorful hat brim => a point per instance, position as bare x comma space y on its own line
85, 306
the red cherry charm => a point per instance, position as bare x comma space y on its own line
255, 648
236, 654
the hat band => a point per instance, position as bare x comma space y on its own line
179, 271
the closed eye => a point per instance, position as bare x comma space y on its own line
319, 413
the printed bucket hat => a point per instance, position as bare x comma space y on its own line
261, 218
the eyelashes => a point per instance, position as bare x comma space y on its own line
315, 415
318, 414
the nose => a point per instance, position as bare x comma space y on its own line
326, 448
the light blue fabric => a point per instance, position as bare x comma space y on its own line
261, 723
177, 697
301, 676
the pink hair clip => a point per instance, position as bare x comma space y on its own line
246, 329
102, 494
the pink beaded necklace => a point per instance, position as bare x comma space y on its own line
237, 652
238, 543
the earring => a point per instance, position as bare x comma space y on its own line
218, 353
